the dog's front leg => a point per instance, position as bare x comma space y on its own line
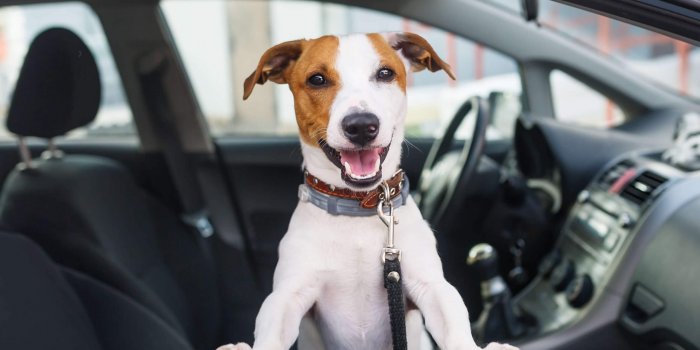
294, 292
446, 318
277, 324
445, 315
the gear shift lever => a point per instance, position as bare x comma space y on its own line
484, 259
498, 320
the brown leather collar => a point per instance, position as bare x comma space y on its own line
368, 199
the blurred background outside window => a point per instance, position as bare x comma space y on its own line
671, 63
221, 41
238, 32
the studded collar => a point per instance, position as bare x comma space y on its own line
343, 201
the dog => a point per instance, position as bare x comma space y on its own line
350, 104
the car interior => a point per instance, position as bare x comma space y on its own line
557, 235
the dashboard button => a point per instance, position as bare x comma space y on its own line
645, 302
580, 291
584, 196
549, 262
562, 275
611, 241
625, 220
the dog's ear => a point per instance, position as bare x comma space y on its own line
418, 52
273, 65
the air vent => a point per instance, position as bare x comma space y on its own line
610, 176
641, 188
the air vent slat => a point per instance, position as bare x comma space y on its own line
611, 175
655, 181
641, 188
634, 195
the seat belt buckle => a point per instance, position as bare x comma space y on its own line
199, 221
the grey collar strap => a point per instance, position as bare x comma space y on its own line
348, 207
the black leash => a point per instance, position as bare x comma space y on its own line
391, 258
397, 312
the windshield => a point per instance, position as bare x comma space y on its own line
672, 63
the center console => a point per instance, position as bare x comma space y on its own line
597, 233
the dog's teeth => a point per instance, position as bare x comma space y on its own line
348, 169
376, 165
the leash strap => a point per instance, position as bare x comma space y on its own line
391, 258
397, 312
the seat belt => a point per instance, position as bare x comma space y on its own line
195, 189
194, 209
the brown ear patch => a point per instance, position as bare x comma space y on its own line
292, 63
389, 57
420, 53
273, 65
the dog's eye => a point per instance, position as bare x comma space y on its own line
317, 80
385, 74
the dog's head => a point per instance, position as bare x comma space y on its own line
350, 100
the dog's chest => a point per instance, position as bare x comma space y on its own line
352, 308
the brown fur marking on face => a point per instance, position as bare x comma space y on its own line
421, 55
389, 58
273, 65
312, 104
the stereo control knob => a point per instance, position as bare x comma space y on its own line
580, 291
562, 275
625, 220
549, 262
584, 196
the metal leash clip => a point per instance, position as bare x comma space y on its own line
389, 252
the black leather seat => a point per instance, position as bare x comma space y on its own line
88, 213
43, 306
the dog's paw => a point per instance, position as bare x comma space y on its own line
239, 346
496, 346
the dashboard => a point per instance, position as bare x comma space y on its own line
627, 259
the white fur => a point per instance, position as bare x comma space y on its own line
332, 263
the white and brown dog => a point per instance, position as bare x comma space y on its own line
350, 103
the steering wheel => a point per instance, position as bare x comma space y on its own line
443, 182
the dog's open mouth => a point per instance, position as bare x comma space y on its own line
358, 167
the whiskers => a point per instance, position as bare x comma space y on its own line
409, 145
319, 134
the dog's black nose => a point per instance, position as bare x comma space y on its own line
361, 128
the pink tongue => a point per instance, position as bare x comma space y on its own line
361, 162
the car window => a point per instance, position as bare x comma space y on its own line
671, 63
18, 27
238, 32
577, 103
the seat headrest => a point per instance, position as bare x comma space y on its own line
58, 88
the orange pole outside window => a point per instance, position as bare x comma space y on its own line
604, 46
683, 52
3, 46
604, 34
554, 16
478, 62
